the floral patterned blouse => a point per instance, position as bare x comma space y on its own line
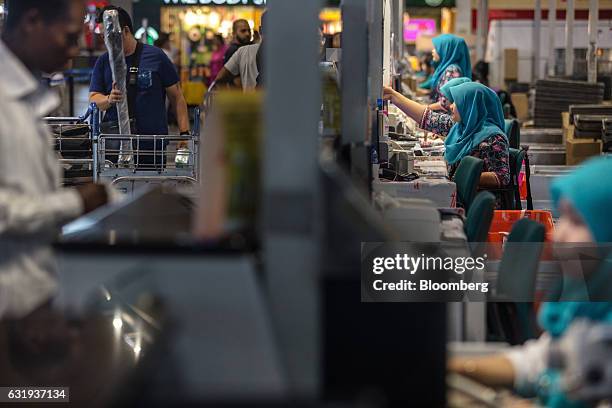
494, 151
453, 71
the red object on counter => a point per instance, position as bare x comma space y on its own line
504, 220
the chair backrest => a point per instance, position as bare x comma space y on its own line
467, 178
517, 156
516, 164
516, 280
479, 217
519, 265
513, 131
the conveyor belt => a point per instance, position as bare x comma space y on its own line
541, 135
547, 154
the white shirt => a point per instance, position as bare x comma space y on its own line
33, 206
244, 63
529, 361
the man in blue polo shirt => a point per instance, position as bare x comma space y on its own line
156, 79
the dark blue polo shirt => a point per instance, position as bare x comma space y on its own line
156, 73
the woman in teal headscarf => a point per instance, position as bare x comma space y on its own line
583, 199
427, 69
445, 90
474, 128
453, 58
426, 84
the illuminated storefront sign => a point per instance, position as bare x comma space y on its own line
216, 2
413, 27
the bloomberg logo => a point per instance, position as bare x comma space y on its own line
217, 2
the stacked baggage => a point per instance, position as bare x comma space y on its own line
554, 96
606, 134
602, 110
593, 122
589, 126
71, 138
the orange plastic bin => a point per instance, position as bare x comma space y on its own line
504, 220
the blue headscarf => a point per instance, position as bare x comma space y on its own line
445, 90
589, 191
452, 51
426, 84
481, 117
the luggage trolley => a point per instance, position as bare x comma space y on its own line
72, 139
129, 168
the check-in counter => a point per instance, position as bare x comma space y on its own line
190, 318
442, 193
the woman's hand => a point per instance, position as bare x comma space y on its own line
411, 108
389, 94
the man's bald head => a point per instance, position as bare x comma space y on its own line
242, 32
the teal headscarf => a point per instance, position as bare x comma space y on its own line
589, 191
426, 84
452, 51
445, 90
481, 117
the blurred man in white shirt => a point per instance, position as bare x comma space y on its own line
40, 36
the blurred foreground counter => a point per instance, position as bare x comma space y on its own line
442, 193
150, 220
464, 392
144, 314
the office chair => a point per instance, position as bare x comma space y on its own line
467, 178
478, 220
516, 164
513, 131
510, 196
514, 320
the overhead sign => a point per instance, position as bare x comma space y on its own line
215, 2
414, 27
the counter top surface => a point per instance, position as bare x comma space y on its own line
150, 221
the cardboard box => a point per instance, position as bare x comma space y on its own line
568, 130
521, 104
579, 150
511, 61
565, 119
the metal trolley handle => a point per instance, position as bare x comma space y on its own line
76, 119
154, 178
